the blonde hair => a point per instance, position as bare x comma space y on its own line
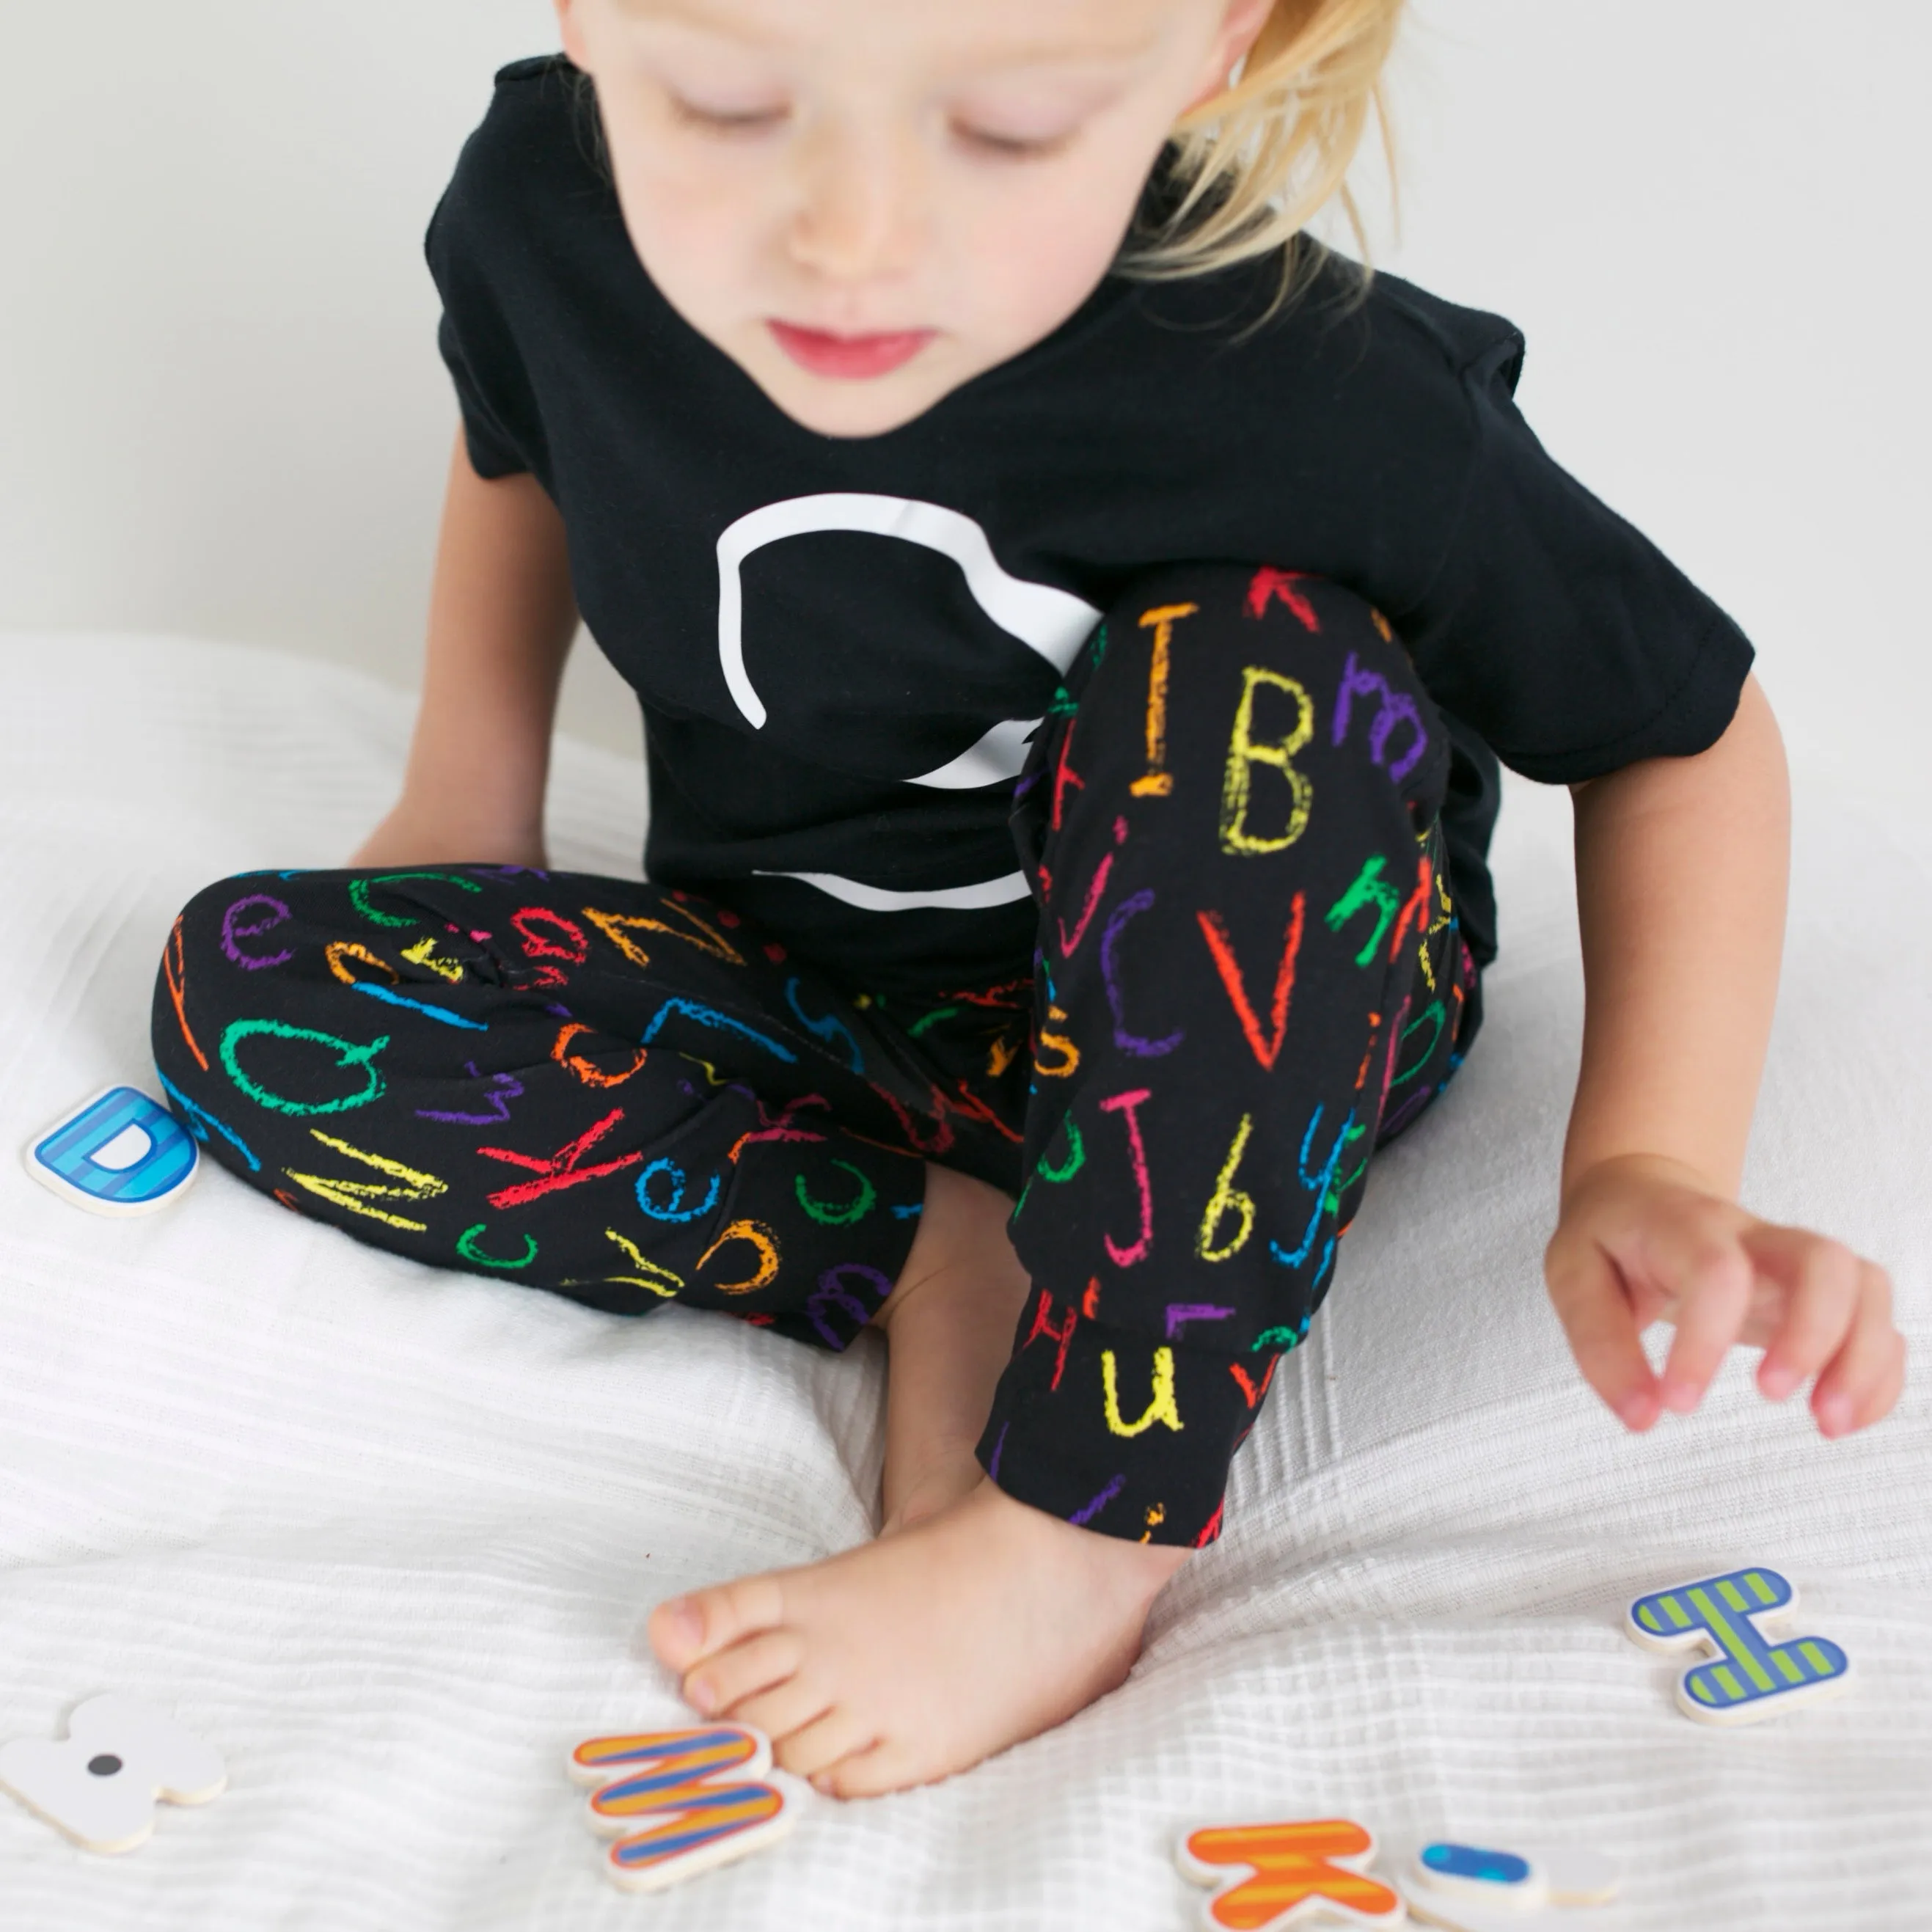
1251, 166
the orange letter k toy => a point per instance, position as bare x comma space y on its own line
1274, 1875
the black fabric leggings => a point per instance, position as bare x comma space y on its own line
1249, 974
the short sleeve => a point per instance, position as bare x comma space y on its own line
1561, 634
500, 421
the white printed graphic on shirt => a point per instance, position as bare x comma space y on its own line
1054, 622
988, 892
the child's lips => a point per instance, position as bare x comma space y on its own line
857, 357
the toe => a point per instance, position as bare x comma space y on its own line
786, 1708
687, 1628
813, 1749
727, 1677
871, 1773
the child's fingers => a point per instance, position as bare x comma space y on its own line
1597, 1316
1823, 1280
1864, 1377
1709, 1275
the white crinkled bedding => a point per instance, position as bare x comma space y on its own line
387, 1536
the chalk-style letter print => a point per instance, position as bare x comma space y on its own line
121, 1154
679, 1802
1244, 754
1397, 709
1054, 622
1272, 1875
1749, 1679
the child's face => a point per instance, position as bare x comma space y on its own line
865, 203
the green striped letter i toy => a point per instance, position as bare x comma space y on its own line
1749, 1679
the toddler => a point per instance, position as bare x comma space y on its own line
1076, 623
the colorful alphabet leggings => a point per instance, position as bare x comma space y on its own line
1249, 974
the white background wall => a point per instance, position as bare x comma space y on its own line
221, 411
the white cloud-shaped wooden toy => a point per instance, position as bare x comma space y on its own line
99, 1785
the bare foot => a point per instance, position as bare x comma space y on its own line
948, 1323
916, 1656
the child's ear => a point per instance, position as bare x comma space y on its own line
1241, 23
570, 24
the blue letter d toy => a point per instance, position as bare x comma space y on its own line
1749, 1678
122, 1154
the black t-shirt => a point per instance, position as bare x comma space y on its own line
839, 644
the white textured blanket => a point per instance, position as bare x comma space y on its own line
386, 1537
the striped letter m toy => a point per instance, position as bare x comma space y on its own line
1749, 1679
679, 1802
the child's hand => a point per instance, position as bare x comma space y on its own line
1642, 1239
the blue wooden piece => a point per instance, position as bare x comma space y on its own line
1749, 1677
122, 1154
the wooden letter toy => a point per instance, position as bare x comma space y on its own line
1474, 1873
122, 1154
1476, 1889
1271, 1875
1748, 1679
702, 1798
100, 1785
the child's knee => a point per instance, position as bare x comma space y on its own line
1279, 612
226, 934
1205, 673
242, 926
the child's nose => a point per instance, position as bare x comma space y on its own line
860, 209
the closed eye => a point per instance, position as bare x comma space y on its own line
726, 120
1011, 147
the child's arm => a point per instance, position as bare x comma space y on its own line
1681, 870
502, 615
